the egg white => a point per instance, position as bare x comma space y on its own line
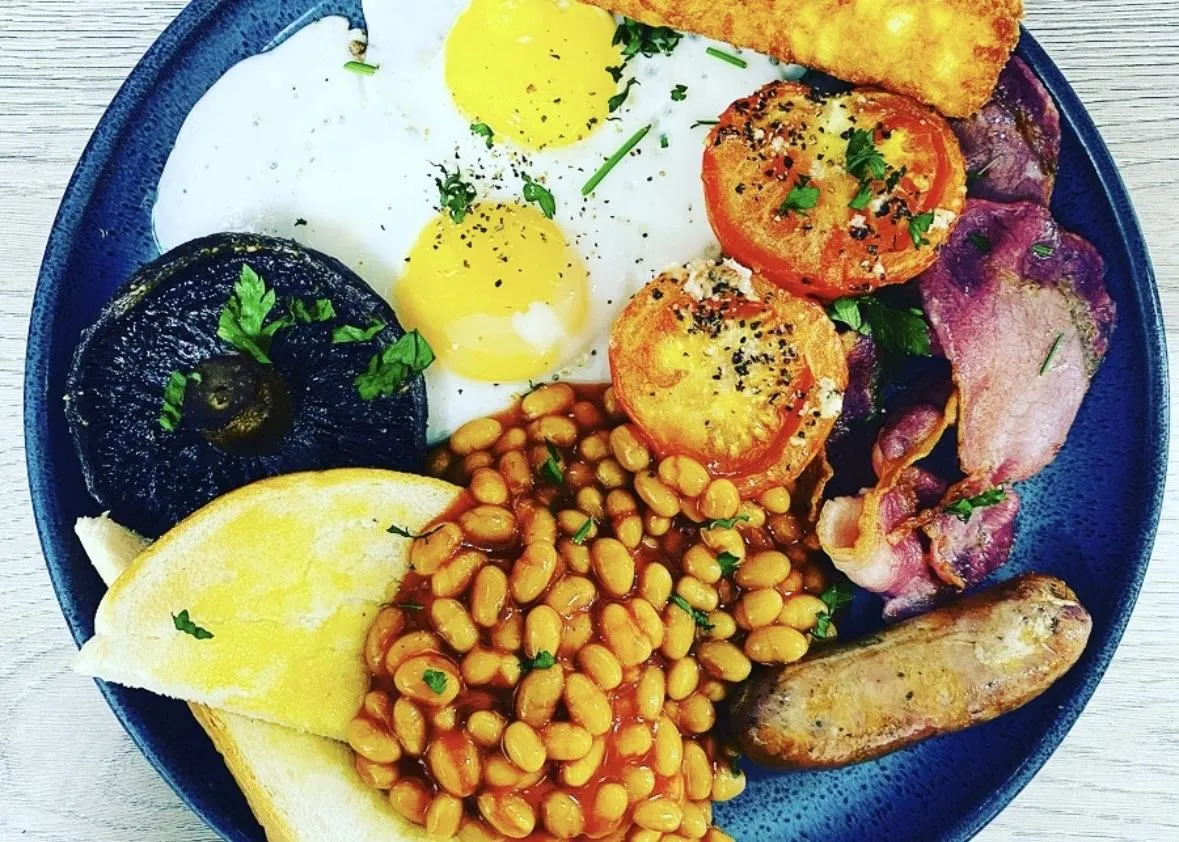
292, 144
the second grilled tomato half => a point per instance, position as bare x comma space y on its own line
832, 195
745, 378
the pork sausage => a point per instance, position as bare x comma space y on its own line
963, 664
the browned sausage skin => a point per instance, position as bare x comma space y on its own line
963, 664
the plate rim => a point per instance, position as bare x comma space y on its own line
101, 149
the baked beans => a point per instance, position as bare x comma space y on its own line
551, 666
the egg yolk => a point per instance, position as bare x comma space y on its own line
533, 70
498, 296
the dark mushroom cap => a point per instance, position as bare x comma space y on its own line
243, 420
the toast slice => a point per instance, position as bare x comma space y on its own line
280, 581
301, 788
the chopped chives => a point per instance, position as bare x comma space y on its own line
705, 123
736, 61
361, 67
613, 160
1051, 354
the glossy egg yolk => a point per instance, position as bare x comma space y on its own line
499, 296
533, 70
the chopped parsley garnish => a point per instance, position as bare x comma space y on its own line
638, 38
964, 508
727, 522
803, 196
392, 368
321, 310
583, 532
361, 67
898, 331
835, 597
735, 765
405, 533
484, 131
1051, 354
615, 102
351, 333
918, 227
614, 159
435, 680
174, 390
184, 624
894, 178
863, 159
454, 194
679, 93
243, 318
663, 141
699, 123
862, 197
736, 61
728, 563
543, 661
616, 72
700, 618
538, 194
980, 242
410, 606
551, 470
1043, 250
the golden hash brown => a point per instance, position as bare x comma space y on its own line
946, 53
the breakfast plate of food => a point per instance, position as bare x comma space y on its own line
638, 421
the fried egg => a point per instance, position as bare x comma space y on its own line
446, 155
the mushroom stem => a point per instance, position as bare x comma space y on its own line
238, 404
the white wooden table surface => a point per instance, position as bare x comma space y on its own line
67, 770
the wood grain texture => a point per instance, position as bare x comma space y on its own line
67, 770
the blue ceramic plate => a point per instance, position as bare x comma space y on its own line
1090, 518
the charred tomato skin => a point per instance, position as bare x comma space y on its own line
787, 137
302, 412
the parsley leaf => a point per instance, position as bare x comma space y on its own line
835, 597
391, 368
539, 194
351, 333
581, 534
174, 390
918, 227
863, 196
700, 618
1051, 354
551, 469
802, 197
405, 533
727, 522
484, 131
679, 93
184, 624
543, 661
898, 330
321, 310
615, 102
863, 159
435, 680
728, 563
663, 141
616, 72
243, 318
638, 38
454, 194
980, 242
964, 508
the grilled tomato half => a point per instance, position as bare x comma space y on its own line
833, 195
712, 362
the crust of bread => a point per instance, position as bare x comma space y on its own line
945, 53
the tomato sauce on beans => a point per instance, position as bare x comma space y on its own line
551, 665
